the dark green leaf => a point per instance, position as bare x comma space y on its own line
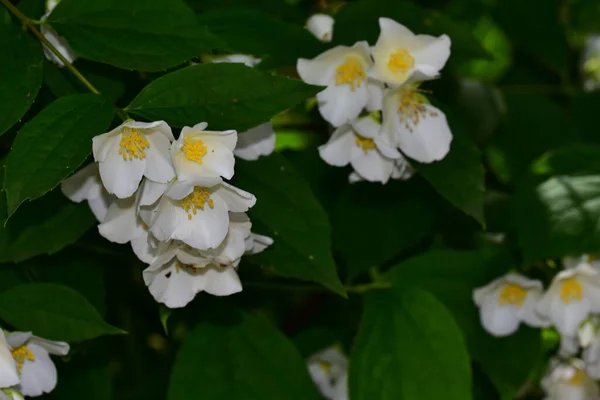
78, 381
277, 8
359, 21
239, 357
288, 212
54, 312
408, 347
251, 32
20, 69
52, 145
228, 96
147, 35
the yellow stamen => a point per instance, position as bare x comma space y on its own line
194, 150
132, 144
364, 143
350, 72
577, 378
325, 366
571, 290
22, 354
513, 294
412, 108
400, 62
196, 200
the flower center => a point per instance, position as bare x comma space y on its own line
512, 294
571, 290
350, 72
22, 354
325, 366
196, 200
132, 144
364, 143
194, 150
577, 378
412, 108
401, 61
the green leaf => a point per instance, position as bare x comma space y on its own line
459, 177
52, 145
359, 21
278, 8
54, 312
228, 96
146, 35
80, 380
20, 69
43, 226
408, 347
262, 35
239, 356
288, 212
584, 107
374, 223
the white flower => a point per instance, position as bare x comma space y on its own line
196, 215
122, 224
86, 184
256, 142
326, 368
572, 296
573, 261
590, 64
236, 58
419, 129
132, 150
569, 381
321, 26
257, 243
199, 154
401, 55
50, 4
360, 145
340, 389
10, 394
402, 171
181, 272
506, 302
32, 354
9, 375
344, 71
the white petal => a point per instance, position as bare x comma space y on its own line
256, 142
51, 346
38, 376
321, 379
60, 43
431, 57
99, 205
393, 36
338, 149
340, 104
367, 127
497, 319
340, 391
159, 166
121, 223
8, 367
121, 177
221, 281
84, 184
237, 199
160, 126
321, 26
567, 317
321, 69
569, 346
355, 177
375, 95
259, 243
402, 169
144, 250
373, 167
102, 144
150, 192
16, 339
170, 285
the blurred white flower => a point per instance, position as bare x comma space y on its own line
196, 215
590, 63
199, 154
256, 142
132, 150
59, 42
327, 368
10, 394
34, 365
569, 381
9, 375
235, 58
340, 389
360, 144
417, 128
50, 4
401, 55
506, 302
257, 243
573, 295
321, 26
344, 71
86, 184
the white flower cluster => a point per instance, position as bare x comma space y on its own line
168, 198
571, 304
328, 369
366, 85
26, 368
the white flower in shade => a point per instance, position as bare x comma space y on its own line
417, 128
50, 4
178, 274
256, 142
197, 215
326, 368
569, 381
9, 375
59, 42
402, 171
132, 150
590, 63
86, 184
506, 302
344, 71
247, 60
321, 26
401, 55
198, 154
10, 394
340, 389
360, 145
257, 243
572, 296
34, 365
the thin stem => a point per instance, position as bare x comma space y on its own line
368, 286
30, 25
